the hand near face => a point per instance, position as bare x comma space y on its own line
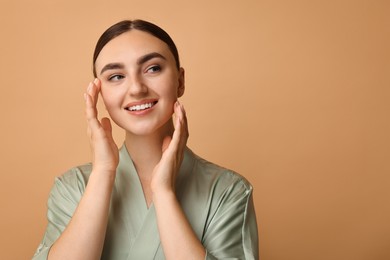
105, 154
165, 172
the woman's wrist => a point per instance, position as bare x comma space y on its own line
163, 195
103, 175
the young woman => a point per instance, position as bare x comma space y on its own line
153, 198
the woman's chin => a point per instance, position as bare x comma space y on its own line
148, 130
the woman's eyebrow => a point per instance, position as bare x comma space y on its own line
149, 56
112, 66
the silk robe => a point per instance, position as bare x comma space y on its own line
217, 203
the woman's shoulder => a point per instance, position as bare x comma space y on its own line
68, 187
76, 176
218, 175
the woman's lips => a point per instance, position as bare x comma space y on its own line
141, 105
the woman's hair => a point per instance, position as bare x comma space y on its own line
128, 25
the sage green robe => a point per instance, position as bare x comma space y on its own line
217, 202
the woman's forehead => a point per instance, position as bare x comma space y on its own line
132, 44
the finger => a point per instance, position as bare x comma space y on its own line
166, 142
183, 125
177, 124
180, 135
90, 108
107, 127
183, 132
185, 122
96, 90
93, 90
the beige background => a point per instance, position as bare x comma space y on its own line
294, 95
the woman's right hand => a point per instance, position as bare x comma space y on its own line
105, 154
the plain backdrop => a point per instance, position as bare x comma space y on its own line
293, 95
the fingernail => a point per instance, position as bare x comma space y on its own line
95, 81
89, 87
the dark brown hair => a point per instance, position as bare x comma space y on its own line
128, 25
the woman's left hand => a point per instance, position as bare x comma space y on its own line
164, 174
178, 239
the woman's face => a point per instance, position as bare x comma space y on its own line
140, 81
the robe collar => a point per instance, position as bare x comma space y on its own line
142, 226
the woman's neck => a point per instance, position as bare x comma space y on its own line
146, 150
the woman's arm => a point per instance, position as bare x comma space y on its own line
177, 237
83, 238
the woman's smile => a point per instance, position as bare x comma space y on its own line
141, 107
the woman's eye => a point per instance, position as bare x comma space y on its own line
115, 77
154, 68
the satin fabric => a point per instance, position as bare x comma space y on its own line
217, 202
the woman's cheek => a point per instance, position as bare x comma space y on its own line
105, 98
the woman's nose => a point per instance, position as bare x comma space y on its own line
136, 87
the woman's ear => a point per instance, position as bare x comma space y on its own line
181, 87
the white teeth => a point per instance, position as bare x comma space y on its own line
140, 107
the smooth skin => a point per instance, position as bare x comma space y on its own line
155, 141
